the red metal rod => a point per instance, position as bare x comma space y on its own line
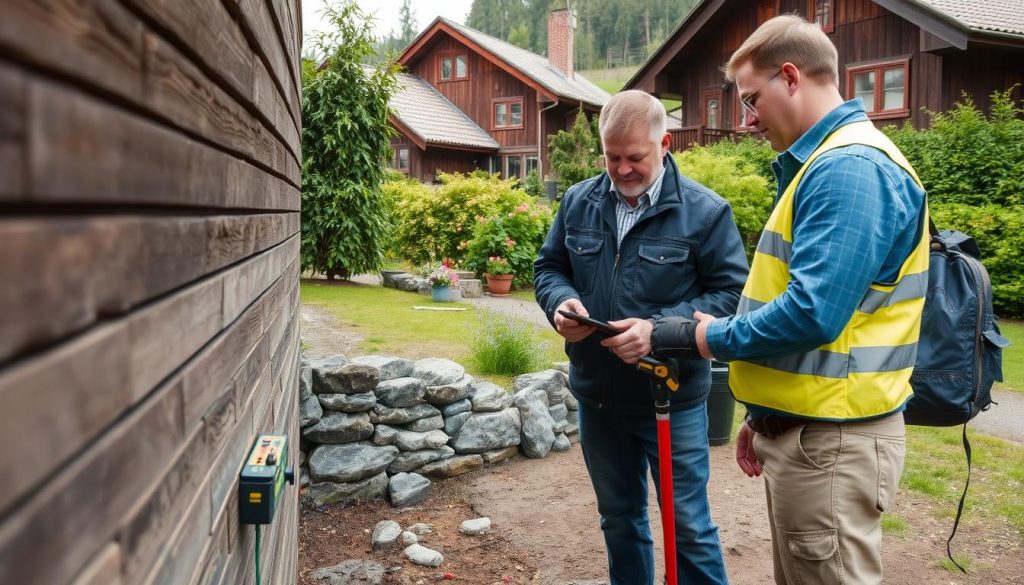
668, 516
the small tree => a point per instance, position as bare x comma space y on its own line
346, 150
575, 154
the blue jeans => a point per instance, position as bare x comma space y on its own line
618, 451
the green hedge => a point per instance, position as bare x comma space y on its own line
466, 219
999, 232
732, 170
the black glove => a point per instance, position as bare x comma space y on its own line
675, 337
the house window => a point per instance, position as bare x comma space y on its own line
508, 113
514, 167
454, 67
494, 165
532, 163
401, 161
882, 87
711, 113
822, 13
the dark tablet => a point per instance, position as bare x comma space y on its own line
600, 325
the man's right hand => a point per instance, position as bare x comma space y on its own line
745, 451
568, 328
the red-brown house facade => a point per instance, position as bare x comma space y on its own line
471, 101
900, 56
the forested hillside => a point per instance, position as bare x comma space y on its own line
609, 33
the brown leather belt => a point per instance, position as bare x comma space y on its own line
772, 426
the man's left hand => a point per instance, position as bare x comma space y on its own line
633, 343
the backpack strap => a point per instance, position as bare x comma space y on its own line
963, 497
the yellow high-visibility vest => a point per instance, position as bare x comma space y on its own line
864, 372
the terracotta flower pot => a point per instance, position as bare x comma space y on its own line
499, 285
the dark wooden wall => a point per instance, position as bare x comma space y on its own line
864, 32
149, 197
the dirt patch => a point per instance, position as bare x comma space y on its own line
322, 335
545, 522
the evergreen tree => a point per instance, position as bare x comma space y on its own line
407, 22
575, 154
345, 149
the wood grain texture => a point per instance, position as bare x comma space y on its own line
13, 113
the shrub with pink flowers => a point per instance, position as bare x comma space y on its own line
498, 266
515, 236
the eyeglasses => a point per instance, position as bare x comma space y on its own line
748, 102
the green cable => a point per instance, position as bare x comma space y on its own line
257, 554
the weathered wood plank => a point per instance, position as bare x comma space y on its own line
178, 564
255, 16
251, 278
42, 540
208, 30
284, 12
109, 155
113, 263
98, 41
105, 568
55, 403
13, 114
270, 101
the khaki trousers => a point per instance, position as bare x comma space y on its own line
827, 486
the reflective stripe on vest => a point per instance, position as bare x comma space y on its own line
866, 370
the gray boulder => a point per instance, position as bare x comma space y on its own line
423, 425
537, 425
305, 382
340, 427
451, 466
490, 397
438, 371
408, 489
388, 367
421, 555
348, 378
452, 424
458, 407
486, 431
400, 416
400, 392
309, 411
385, 534
361, 402
350, 572
410, 441
329, 492
476, 526
348, 463
500, 454
384, 435
410, 460
444, 394
561, 443
558, 413
550, 381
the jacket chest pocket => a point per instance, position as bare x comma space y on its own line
584, 255
662, 273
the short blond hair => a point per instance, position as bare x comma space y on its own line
628, 108
788, 38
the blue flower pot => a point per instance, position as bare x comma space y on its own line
441, 294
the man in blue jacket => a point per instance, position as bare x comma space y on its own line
640, 242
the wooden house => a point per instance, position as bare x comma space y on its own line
471, 101
900, 56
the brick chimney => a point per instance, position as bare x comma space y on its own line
561, 23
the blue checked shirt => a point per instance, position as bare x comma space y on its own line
855, 220
626, 216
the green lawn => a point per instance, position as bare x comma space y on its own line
389, 325
1013, 356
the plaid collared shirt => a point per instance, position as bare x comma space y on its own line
626, 216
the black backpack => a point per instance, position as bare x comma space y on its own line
960, 350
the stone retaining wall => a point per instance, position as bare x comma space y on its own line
377, 426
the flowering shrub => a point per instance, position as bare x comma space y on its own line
516, 236
444, 276
497, 266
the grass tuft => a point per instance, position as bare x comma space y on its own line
893, 525
506, 346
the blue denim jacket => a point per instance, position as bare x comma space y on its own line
684, 253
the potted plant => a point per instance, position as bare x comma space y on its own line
441, 282
499, 276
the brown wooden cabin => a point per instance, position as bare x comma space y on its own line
471, 101
899, 56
